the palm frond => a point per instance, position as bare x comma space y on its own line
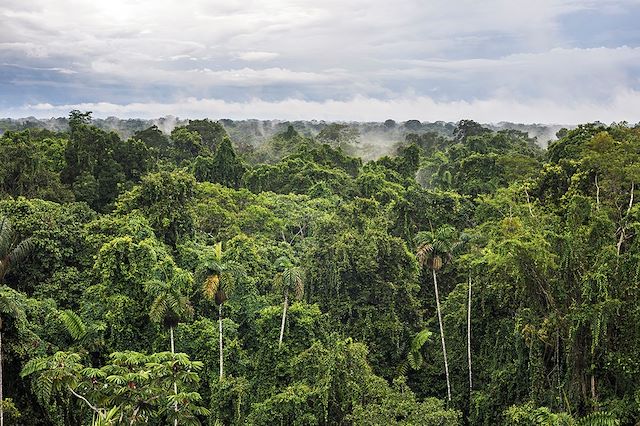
210, 286
9, 304
6, 235
420, 339
21, 251
414, 357
292, 279
599, 418
74, 324
217, 249
158, 308
423, 252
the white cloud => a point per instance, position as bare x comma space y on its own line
621, 107
449, 52
256, 56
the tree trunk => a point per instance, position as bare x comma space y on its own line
444, 348
529, 202
175, 385
284, 317
597, 193
631, 198
469, 337
220, 335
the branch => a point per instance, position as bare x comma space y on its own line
97, 410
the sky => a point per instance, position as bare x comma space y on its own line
542, 61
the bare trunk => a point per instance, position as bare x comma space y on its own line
175, 385
529, 202
597, 193
593, 387
620, 240
631, 198
444, 348
284, 317
469, 337
220, 335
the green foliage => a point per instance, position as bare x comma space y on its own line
400, 407
97, 162
136, 386
224, 167
157, 197
106, 242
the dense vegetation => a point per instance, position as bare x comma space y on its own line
188, 279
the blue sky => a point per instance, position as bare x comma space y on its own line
553, 61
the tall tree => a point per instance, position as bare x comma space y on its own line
218, 277
9, 306
11, 251
435, 248
223, 167
169, 306
289, 279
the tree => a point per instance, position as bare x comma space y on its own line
170, 305
211, 132
188, 144
166, 199
434, 250
9, 305
11, 251
224, 167
290, 279
467, 128
337, 134
218, 278
135, 385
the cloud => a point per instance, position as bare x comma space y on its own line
621, 107
256, 56
240, 52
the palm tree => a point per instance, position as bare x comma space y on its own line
9, 305
290, 279
435, 249
11, 252
169, 307
218, 277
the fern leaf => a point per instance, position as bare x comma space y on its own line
74, 324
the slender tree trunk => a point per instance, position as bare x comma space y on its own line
444, 348
529, 202
469, 337
620, 240
631, 198
284, 317
175, 385
220, 335
597, 193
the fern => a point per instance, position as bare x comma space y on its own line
74, 324
599, 418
